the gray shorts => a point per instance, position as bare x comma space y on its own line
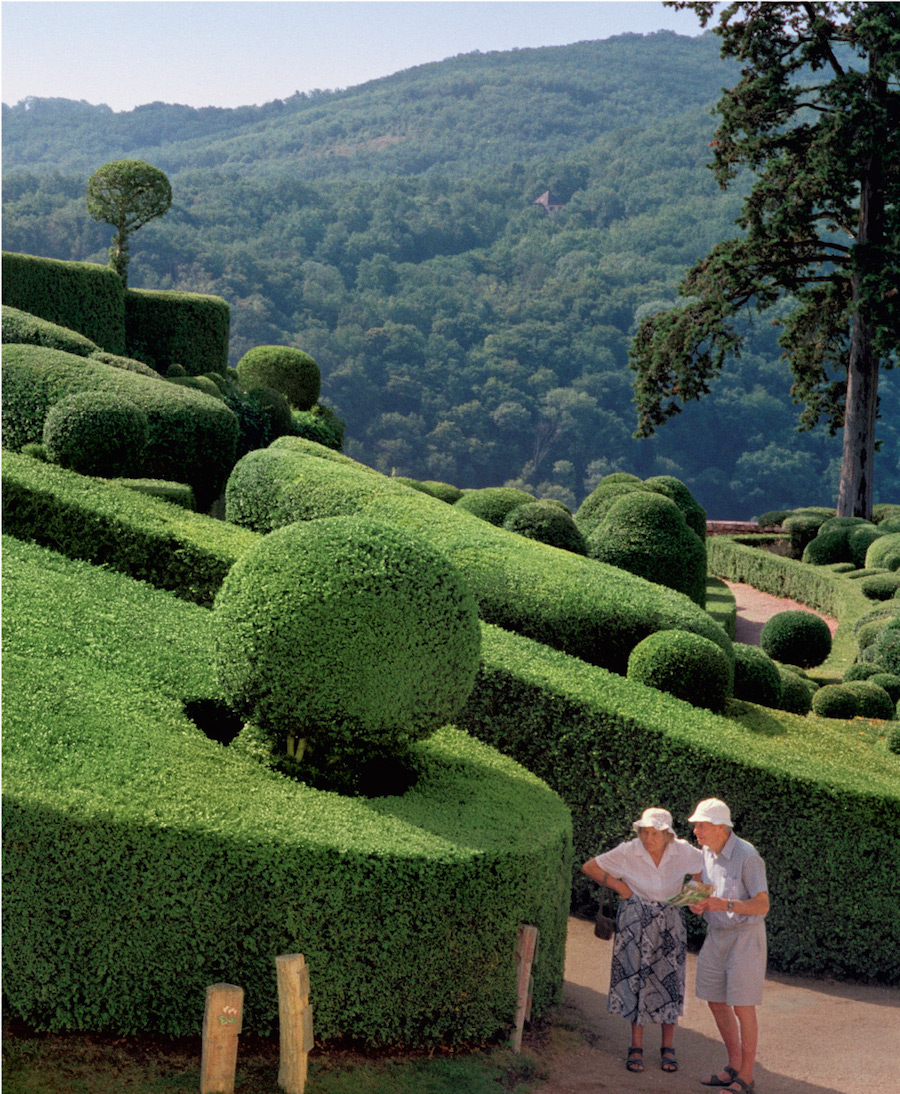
731, 966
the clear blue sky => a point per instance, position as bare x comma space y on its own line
238, 53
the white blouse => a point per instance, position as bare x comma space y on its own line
631, 862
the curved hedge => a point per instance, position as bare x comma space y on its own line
493, 503
589, 609
192, 436
26, 329
96, 433
150, 861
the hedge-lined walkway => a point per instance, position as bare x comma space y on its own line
754, 608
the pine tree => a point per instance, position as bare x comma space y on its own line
816, 118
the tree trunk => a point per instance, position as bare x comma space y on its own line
855, 497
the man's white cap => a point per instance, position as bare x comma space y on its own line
660, 819
713, 811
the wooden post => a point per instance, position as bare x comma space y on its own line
295, 1021
221, 1026
525, 951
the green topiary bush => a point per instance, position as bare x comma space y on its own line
885, 650
595, 506
546, 522
345, 640
319, 424
890, 682
880, 586
130, 364
884, 552
828, 547
646, 534
291, 371
685, 665
835, 701
796, 692
24, 328
860, 671
773, 518
893, 741
860, 540
444, 490
872, 701
756, 676
96, 433
802, 525
796, 638
693, 513
493, 503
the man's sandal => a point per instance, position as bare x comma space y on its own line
714, 1080
635, 1061
668, 1061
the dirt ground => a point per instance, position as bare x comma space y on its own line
816, 1036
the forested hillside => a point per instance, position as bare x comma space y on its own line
464, 333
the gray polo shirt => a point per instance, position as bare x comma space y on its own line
738, 873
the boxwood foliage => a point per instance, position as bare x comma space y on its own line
186, 328
493, 503
81, 296
349, 636
685, 665
96, 433
646, 534
547, 522
756, 676
20, 326
192, 436
113, 525
286, 369
822, 806
145, 861
884, 552
796, 638
590, 609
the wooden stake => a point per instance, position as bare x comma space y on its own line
295, 1021
221, 1026
525, 951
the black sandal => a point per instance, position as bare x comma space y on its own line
668, 1061
635, 1061
714, 1080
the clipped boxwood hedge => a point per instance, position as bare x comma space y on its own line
185, 328
82, 296
590, 609
193, 437
20, 326
144, 861
114, 525
795, 786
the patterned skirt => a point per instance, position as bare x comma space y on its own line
648, 964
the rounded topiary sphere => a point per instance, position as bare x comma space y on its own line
547, 522
884, 552
673, 488
685, 665
860, 540
607, 491
346, 634
835, 701
880, 586
646, 534
96, 433
872, 701
796, 638
756, 676
860, 671
796, 692
885, 650
493, 503
291, 371
890, 682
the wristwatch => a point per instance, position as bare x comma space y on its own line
730, 905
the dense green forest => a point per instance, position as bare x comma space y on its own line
463, 333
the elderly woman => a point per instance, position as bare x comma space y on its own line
650, 948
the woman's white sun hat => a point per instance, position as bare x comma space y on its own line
660, 819
712, 811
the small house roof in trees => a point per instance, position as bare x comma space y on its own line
549, 202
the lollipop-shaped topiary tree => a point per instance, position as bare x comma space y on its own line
344, 641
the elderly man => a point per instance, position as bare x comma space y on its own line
731, 966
